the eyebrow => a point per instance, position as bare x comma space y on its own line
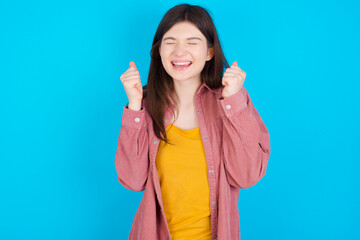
190, 38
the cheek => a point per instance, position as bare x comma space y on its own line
164, 53
201, 55
202, 52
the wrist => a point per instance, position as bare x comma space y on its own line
136, 106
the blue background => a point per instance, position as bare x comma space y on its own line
61, 106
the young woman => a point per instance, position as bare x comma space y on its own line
191, 138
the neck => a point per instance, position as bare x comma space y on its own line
184, 91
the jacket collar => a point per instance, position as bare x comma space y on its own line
204, 86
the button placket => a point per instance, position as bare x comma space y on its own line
137, 119
210, 161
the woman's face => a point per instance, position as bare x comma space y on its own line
184, 51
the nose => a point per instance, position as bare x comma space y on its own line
179, 50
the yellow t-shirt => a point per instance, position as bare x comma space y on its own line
184, 184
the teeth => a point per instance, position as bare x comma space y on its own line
182, 63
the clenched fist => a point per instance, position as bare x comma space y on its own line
233, 80
133, 88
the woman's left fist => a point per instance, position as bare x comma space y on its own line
233, 80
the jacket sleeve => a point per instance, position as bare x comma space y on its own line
131, 156
246, 140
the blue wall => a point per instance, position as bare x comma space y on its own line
61, 103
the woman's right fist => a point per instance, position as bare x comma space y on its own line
133, 88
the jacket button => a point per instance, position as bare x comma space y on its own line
199, 111
213, 203
137, 119
165, 120
228, 106
215, 237
211, 171
155, 141
205, 138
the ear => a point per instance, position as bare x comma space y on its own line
210, 53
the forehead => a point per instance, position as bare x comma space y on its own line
184, 30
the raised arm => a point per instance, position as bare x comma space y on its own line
131, 157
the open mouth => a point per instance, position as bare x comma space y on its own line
181, 65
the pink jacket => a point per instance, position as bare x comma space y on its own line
237, 149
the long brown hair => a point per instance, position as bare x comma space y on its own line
160, 84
